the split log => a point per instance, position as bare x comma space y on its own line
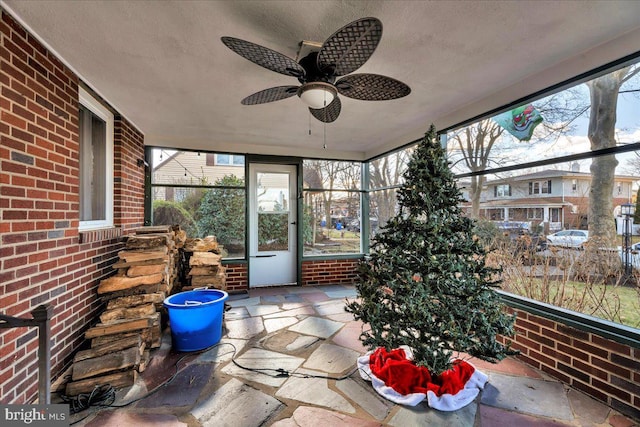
121, 344
131, 256
138, 290
154, 229
118, 283
134, 300
207, 270
121, 360
117, 380
204, 258
144, 361
116, 314
119, 327
144, 334
148, 241
123, 265
146, 270
207, 244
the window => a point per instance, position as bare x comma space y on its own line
619, 187
502, 190
203, 197
543, 187
574, 185
534, 213
95, 129
217, 159
332, 207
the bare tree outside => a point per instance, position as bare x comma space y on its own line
604, 93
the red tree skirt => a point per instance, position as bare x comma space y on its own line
395, 377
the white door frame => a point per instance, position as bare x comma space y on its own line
272, 267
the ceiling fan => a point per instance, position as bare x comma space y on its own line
341, 54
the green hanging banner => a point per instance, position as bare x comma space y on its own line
520, 122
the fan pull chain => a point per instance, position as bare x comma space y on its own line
324, 128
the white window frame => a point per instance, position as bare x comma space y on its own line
93, 105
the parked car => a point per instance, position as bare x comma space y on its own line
568, 238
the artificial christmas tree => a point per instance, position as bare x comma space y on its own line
426, 284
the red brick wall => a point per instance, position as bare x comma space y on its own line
329, 272
43, 257
605, 369
237, 278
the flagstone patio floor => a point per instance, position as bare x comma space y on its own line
305, 330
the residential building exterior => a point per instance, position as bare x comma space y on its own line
547, 200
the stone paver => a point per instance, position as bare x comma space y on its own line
236, 404
243, 302
317, 326
528, 395
302, 341
236, 313
261, 310
184, 390
223, 352
349, 335
347, 293
490, 417
121, 419
245, 328
423, 416
341, 317
272, 325
586, 408
315, 391
332, 358
300, 311
270, 361
330, 307
305, 416
365, 397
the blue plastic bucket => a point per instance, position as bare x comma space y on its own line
195, 318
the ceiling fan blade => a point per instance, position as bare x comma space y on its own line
372, 87
270, 95
265, 57
350, 47
329, 113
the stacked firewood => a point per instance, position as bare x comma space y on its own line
130, 325
205, 267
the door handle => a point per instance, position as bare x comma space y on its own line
293, 223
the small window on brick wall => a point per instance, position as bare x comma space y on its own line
95, 129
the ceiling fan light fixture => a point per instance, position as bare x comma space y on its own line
317, 94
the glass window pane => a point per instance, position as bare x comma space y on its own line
93, 164
387, 171
331, 222
273, 231
539, 238
331, 175
194, 168
204, 212
272, 192
554, 126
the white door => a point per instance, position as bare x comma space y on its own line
272, 225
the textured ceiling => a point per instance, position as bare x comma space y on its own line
163, 66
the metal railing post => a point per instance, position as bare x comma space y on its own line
42, 319
42, 314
